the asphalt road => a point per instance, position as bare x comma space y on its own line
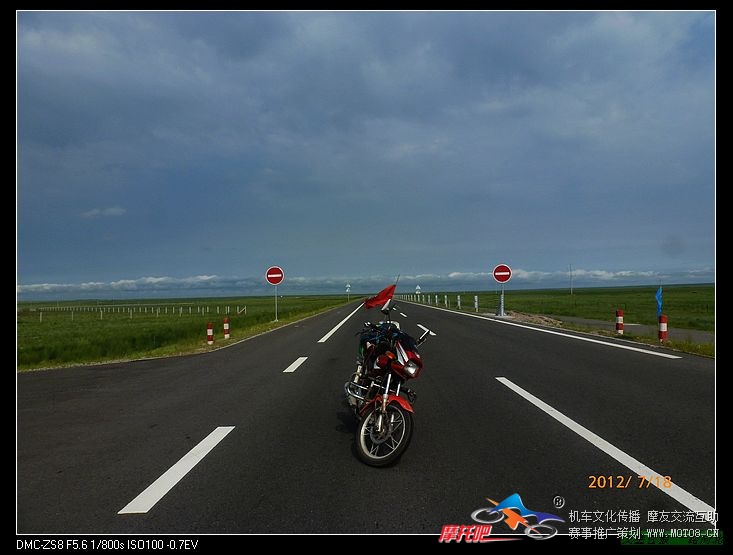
91, 439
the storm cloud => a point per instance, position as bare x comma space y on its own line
341, 145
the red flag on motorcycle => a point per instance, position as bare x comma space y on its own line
380, 298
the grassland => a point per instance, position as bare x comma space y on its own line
688, 307
65, 333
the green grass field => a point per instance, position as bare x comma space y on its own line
67, 333
686, 306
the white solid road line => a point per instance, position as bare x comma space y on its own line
293, 367
674, 491
155, 491
588, 339
542, 330
341, 323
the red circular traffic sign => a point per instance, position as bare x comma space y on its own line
502, 273
274, 275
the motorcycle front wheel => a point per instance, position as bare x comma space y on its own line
383, 446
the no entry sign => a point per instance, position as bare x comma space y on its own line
274, 275
502, 273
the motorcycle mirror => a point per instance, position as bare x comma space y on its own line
423, 337
386, 307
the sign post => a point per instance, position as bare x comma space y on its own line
502, 273
348, 289
274, 275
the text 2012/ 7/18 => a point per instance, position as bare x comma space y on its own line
623, 482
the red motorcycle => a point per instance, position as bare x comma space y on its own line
387, 359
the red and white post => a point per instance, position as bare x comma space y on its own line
226, 327
663, 327
210, 333
620, 322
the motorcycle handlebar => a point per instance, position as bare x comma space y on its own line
374, 327
368, 326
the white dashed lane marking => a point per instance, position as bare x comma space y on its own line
155, 491
293, 367
638, 468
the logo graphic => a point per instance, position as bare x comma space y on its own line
506, 511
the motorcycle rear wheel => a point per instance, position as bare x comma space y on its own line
382, 449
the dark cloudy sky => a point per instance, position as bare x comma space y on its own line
183, 153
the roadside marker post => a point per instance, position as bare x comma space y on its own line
663, 328
620, 322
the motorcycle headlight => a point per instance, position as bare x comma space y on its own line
411, 367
